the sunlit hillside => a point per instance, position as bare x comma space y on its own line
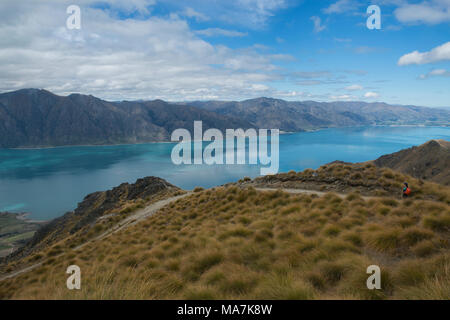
242, 242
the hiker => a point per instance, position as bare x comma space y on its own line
406, 191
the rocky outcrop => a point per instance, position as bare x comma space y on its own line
91, 208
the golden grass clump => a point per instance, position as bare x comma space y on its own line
240, 243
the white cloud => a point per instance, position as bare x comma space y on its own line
429, 12
342, 97
438, 72
365, 50
250, 13
281, 57
191, 13
438, 54
297, 95
260, 87
318, 27
425, 11
435, 73
310, 82
312, 74
122, 59
371, 95
292, 94
263, 7
212, 32
354, 87
341, 6
128, 6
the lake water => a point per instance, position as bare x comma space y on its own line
49, 182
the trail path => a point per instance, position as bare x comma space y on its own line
148, 211
133, 219
308, 192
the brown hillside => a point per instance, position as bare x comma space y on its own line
343, 178
429, 161
246, 241
107, 207
242, 243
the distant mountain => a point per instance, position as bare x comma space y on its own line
39, 118
429, 161
307, 115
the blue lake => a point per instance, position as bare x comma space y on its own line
49, 182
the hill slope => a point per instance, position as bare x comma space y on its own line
238, 242
429, 161
102, 209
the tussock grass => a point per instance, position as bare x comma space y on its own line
355, 179
238, 243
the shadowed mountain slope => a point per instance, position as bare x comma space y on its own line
38, 118
429, 161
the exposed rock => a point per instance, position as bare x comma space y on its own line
90, 209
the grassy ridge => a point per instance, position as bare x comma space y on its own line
364, 178
233, 242
96, 214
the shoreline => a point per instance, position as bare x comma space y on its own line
23, 216
16, 230
175, 142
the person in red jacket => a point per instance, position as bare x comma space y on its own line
406, 191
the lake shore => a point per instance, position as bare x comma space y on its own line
50, 182
15, 230
174, 142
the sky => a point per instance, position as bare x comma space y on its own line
230, 50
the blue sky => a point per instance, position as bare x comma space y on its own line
189, 50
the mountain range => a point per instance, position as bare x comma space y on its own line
39, 118
308, 115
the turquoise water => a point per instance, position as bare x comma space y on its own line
50, 182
